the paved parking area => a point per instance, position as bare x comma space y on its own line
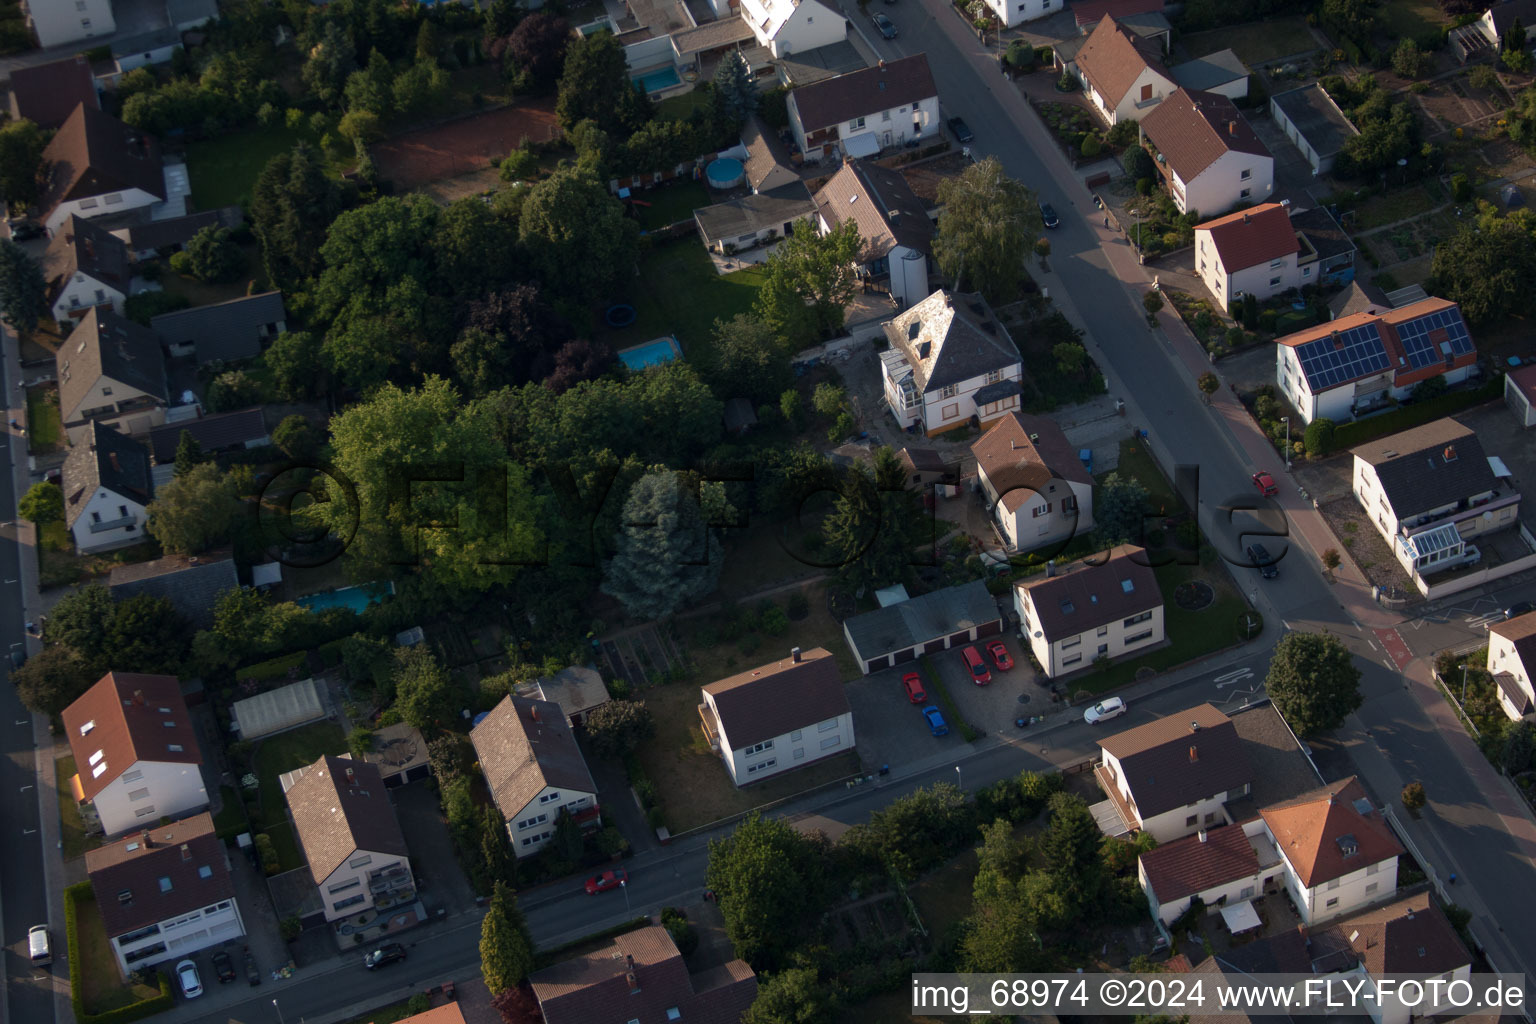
890, 729
1293, 175
992, 707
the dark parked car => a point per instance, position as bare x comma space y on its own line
385, 954
1048, 216
25, 230
223, 967
1263, 561
886, 26
1519, 608
961, 129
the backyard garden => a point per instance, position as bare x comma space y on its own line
678, 293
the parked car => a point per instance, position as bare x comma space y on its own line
191, 984
961, 130
1519, 608
980, 674
223, 967
26, 230
913, 684
1265, 484
1048, 216
935, 721
1263, 561
1000, 656
385, 954
1104, 710
605, 881
886, 26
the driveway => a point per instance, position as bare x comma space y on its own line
1293, 175
438, 875
891, 730
995, 706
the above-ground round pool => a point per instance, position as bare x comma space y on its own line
725, 173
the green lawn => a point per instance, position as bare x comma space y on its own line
1392, 207
679, 293
682, 106
223, 169
71, 827
44, 430
1256, 42
102, 986
670, 204
1136, 463
231, 812
286, 844
1410, 19
287, 751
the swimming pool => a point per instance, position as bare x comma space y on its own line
355, 598
652, 353
659, 79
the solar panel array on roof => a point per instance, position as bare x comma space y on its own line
1424, 350
1326, 362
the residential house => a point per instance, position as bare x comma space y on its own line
1410, 936
448, 1013
135, 751
1339, 853
1251, 252
58, 22
157, 46
351, 838
1313, 121
863, 112
225, 331
1520, 394
1430, 490
1222, 73
534, 770
1485, 37
1221, 866
1037, 487
85, 267
936, 621
192, 583
165, 893
892, 221
951, 362
222, 432
1358, 297
778, 717
924, 467
1010, 13
1512, 663
752, 220
1207, 153
1101, 607
97, 165
110, 370
47, 94
1174, 777
1122, 72
578, 689
769, 165
147, 240
1134, 14
785, 27
107, 487
1327, 255
1356, 363
641, 976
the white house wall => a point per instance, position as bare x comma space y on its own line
909, 275
58, 22
811, 26
1502, 657
147, 792
83, 293
181, 936
1220, 186
1016, 12
350, 880
1025, 531
1369, 885
785, 752
99, 206
1225, 894
893, 127
1072, 653
534, 825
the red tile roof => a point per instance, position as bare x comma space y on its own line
1180, 758
1022, 454
124, 719
1251, 238
1409, 936
1524, 380
1194, 129
1326, 835
161, 873
1189, 866
1113, 58
779, 697
1520, 631
48, 93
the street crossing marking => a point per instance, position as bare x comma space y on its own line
1233, 677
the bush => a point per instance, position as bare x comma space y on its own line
1413, 797
1347, 435
268, 853
1092, 146
418, 1003
75, 895
289, 928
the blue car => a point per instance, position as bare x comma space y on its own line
935, 721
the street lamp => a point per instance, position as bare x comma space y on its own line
959, 781
279, 1012
1287, 421
627, 909
1463, 686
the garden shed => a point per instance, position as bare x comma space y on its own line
279, 710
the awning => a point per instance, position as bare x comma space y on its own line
1500, 471
267, 574
1241, 917
862, 145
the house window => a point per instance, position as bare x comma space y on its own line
144, 812
795, 735
1103, 648
1146, 92
1245, 193
350, 901
1274, 281
830, 742
949, 391
1371, 888
205, 872
762, 766
122, 511
530, 840
1333, 903
1103, 631
993, 376
1373, 869
1138, 638
1247, 173
1276, 264
87, 204
549, 798
133, 776
1333, 884
1306, 271
885, 115
758, 748
1040, 510
139, 794
950, 411
95, 517
530, 822
856, 124
1210, 819
799, 753
1192, 821
1067, 645
101, 296
344, 886
1069, 505
360, 862
165, 883
114, 198
827, 726
1072, 660
1143, 617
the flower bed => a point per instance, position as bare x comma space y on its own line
1070, 123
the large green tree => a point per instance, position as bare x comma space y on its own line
536, 49
292, 206
23, 292
212, 256
1313, 682
772, 887
420, 89
506, 947
197, 509
735, 88
53, 680
576, 236
876, 524
595, 84
793, 996
425, 695
21, 157
1487, 267
809, 281
139, 634
668, 556
1119, 511
42, 504
749, 360
297, 362
618, 727
988, 224
330, 61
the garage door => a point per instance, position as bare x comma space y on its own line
990, 628
905, 654
962, 637
933, 645
876, 664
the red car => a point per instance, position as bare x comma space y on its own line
1265, 484
980, 674
605, 881
914, 687
1000, 656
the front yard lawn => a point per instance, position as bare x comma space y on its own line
71, 826
44, 429
101, 985
1255, 42
667, 204
224, 168
677, 292
287, 751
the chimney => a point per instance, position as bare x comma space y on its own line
634, 983
1013, 445
1245, 216
794, 655
949, 300
1194, 754
1202, 835
1232, 128
1050, 568
351, 777
138, 697
148, 839
1450, 453
116, 466
1194, 726
186, 852
533, 713
882, 64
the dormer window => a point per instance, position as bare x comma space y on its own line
87, 727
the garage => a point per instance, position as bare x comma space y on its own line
903, 630
1520, 394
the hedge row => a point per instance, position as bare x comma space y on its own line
74, 896
545, 957
1347, 435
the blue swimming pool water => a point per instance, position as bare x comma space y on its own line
356, 598
725, 172
662, 350
661, 78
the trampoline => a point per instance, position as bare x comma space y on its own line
620, 315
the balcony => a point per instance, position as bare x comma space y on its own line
396, 876
112, 524
1458, 514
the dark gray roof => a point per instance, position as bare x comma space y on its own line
107, 460
82, 247
156, 234
1317, 118
996, 391
771, 700
340, 807
1359, 297
104, 344
1325, 234
183, 12
192, 584
225, 331
145, 42
881, 202
525, 746
921, 619
768, 162
1205, 73
1505, 12
1179, 759
222, 431
1094, 592
890, 84
95, 153
1437, 464
960, 335
748, 215
739, 414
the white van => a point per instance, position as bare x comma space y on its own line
39, 946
